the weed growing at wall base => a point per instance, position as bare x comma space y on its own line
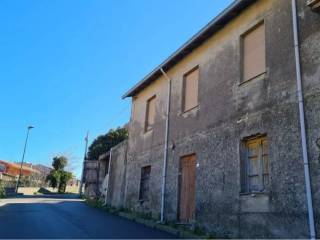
182, 231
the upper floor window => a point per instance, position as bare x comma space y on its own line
253, 52
255, 165
150, 113
190, 89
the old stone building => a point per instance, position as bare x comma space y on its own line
228, 147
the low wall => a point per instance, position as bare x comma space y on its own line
91, 178
117, 180
33, 190
28, 190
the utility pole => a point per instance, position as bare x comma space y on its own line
83, 164
24, 152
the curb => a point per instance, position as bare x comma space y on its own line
162, 227
152, 224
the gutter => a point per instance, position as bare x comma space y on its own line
165, 154
302, 122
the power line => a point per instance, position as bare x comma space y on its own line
119, 114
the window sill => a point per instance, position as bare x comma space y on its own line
260, 76
148, 131
141, 201
257, 202
253, 194
190, 111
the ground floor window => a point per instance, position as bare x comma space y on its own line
255, 164
144, 183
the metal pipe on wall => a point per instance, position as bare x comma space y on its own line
109, 166
302, 122
165, 157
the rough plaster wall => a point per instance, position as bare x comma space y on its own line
146, 148
310, 64
102, 174
117, 175
153, 157
139, 139
228, 112
91, 178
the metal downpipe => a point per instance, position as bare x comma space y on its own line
302, 122
165, 156
109, 172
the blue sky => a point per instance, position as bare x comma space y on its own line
64, 65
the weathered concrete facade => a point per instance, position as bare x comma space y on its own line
91, 189
117, 171
106, 178
228, 112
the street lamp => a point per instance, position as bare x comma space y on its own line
24, 152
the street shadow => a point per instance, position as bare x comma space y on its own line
52, 195
67, 219
45, 193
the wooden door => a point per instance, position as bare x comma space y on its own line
187, 188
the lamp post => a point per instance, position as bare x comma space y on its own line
83, 165
24, 152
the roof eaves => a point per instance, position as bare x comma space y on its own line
207, 31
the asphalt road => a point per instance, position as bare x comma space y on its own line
65, 218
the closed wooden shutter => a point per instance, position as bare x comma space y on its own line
150, 113
265, 162
254, 54
257, 165
254, 166
191, 90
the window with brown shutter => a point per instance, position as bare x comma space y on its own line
144, 183
190, 89
150, 113
255, 169
253, 53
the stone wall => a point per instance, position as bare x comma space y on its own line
117, 180
309, 33
91, 189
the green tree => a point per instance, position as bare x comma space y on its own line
58, 177
59, 163
65, 177
53, 178
104, 143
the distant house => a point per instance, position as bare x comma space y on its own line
14, 169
